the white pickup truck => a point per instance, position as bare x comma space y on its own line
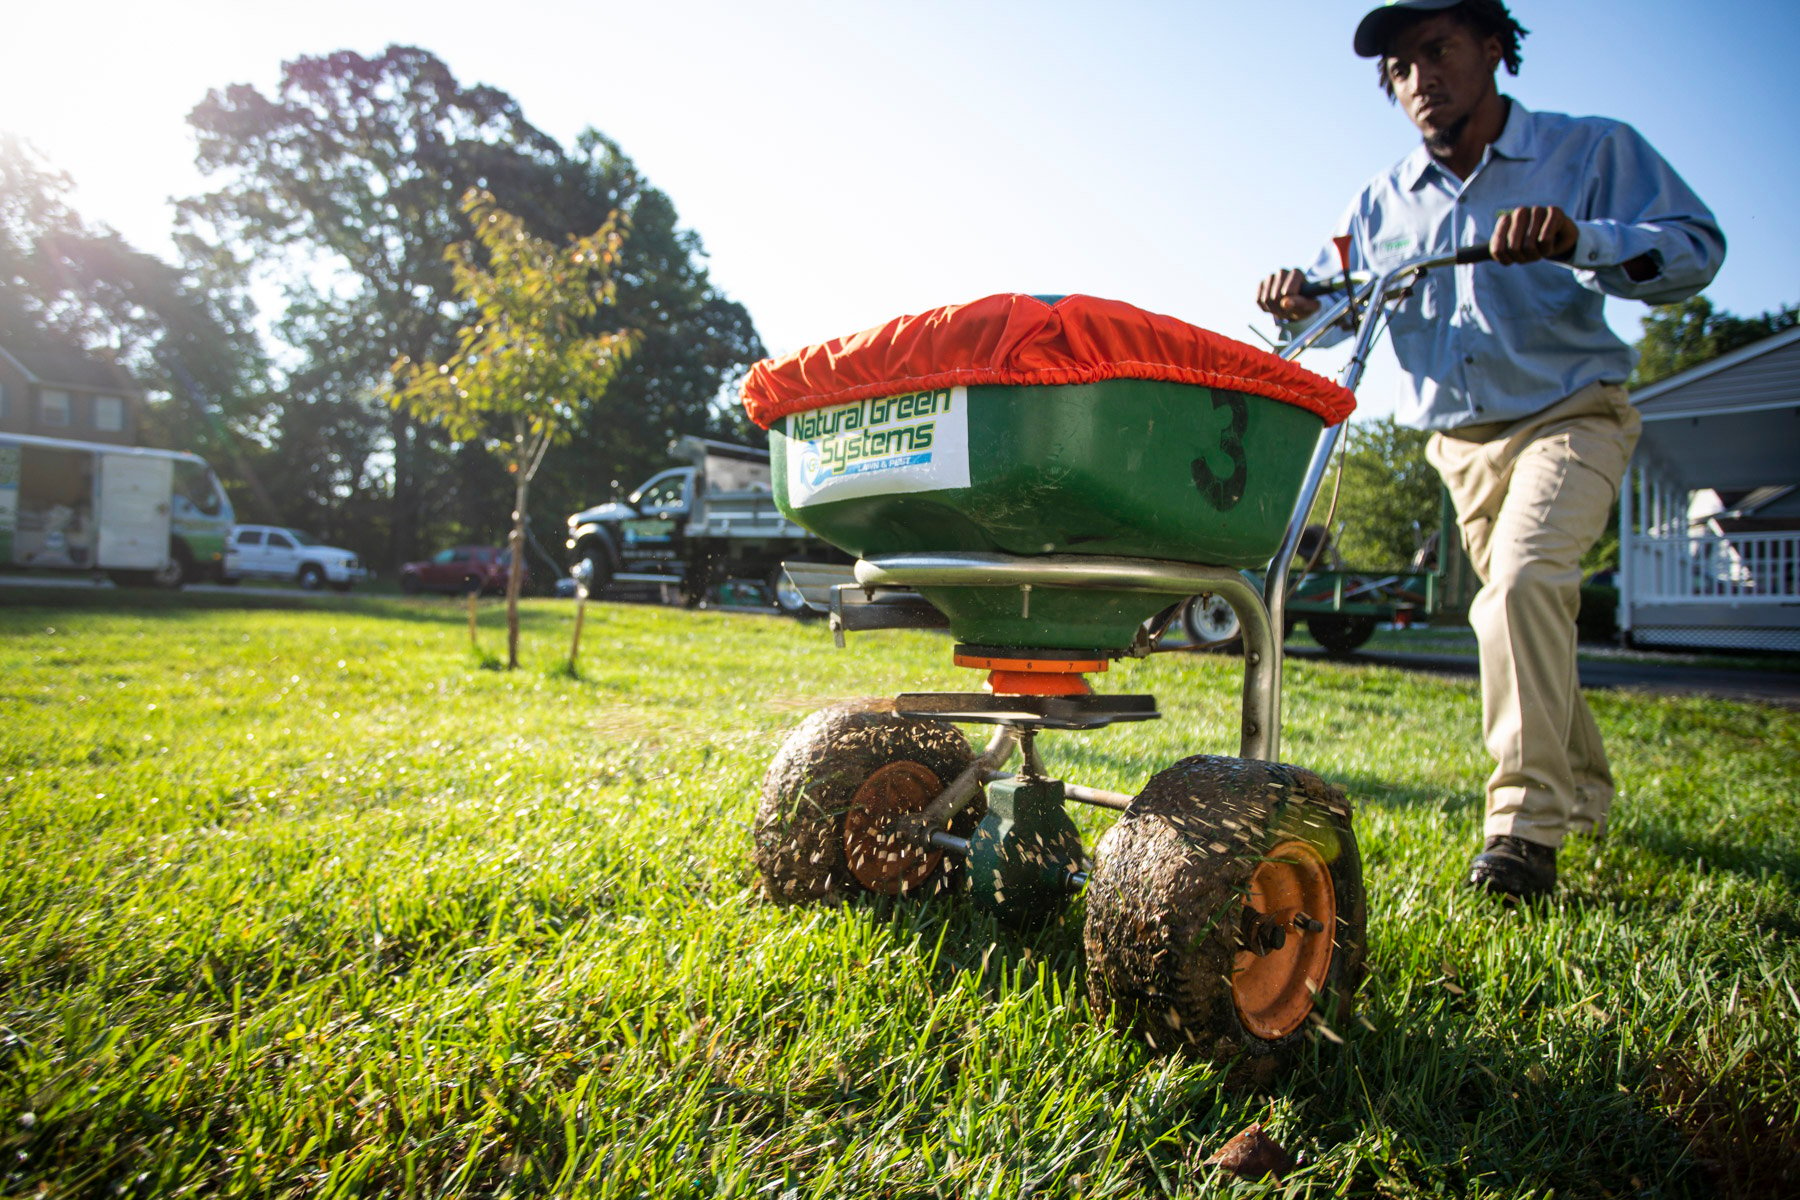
277, 552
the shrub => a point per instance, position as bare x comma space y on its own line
1598, 618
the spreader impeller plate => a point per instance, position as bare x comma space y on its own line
1027, 712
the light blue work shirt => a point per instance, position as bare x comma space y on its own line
1487, 342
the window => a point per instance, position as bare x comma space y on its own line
662, 492
249, 537
109, 414
279, 541
194, 483
444, 556
53, 410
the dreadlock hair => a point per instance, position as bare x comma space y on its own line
1484, 18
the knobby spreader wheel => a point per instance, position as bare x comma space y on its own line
835, 802
1225, 914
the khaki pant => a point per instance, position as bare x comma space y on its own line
1531, 498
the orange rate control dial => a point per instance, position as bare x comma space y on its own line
1033, 676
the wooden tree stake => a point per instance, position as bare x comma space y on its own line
581, 597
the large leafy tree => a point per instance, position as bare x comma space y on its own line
1389, 499
1679, 336
348, 179
32, 209
695, 341
345, 182
529, 359
183, 332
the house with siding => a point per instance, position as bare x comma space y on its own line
66, 395
1709, 515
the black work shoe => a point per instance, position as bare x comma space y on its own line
1514, 869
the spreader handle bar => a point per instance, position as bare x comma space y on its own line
1467, 256
1312, 289
1390, 283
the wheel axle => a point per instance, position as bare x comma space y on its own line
951, 844
1265, 933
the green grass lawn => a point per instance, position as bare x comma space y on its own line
309, 900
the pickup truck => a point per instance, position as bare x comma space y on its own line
276, 552
697, 528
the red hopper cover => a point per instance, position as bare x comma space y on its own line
1014, 339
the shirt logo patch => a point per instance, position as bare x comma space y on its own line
1394, 245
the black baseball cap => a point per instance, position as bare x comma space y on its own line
1372, 33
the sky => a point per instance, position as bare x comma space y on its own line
847, 162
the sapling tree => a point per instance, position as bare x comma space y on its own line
531, 358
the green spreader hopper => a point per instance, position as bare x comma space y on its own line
1030, 429
1132, 468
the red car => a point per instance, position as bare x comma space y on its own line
459, 569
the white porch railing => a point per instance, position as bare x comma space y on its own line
1701, 566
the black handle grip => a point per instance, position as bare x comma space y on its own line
1467, 256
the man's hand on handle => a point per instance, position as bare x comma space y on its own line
1529, 234
1279, 296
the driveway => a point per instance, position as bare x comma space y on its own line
1780, 688
51, 580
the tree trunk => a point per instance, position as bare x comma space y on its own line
404, 533
515, 570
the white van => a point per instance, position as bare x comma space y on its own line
140, 515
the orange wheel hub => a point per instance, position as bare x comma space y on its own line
881, 846
1290, 927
